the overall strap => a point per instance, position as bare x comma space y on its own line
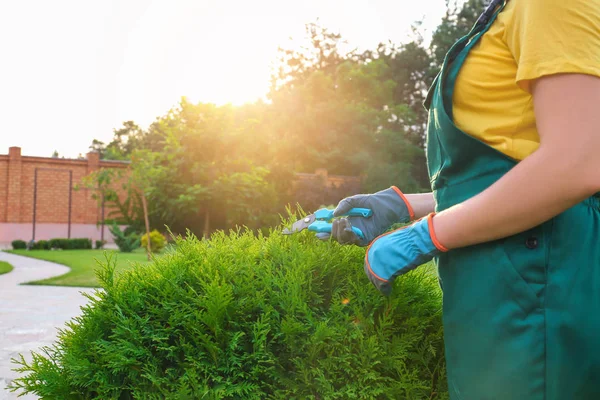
482, 23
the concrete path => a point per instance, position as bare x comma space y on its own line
30, 315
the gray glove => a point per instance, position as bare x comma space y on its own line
389, 207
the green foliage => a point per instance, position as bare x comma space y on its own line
125, 242
68, 244
204, 167
126, 140
41, 245
157, 241
455, 24
100, 244
106, 184
5, 267
242, 316
18, 244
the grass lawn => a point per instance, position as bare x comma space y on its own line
83, 264
5, 267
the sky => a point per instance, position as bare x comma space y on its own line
74, 70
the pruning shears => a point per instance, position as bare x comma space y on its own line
320, 221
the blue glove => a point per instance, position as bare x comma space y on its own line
397, 252
389, 207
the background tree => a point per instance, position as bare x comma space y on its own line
353, 113
457, 22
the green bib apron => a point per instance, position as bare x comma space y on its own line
521, 314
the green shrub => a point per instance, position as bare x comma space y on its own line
100, 244
19, 244
125, 242
58, 244
157, 241
70, 244
41, 245
246, 317
80, 244
133, 230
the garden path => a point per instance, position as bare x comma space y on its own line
31, 315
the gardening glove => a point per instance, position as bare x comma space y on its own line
389, 206
397, 252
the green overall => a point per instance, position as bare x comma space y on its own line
521, 314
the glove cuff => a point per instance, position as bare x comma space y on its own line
434, 238
405, 200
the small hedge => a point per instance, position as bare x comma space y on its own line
41, 245
71, 244
64, 244
19, 244
246, 317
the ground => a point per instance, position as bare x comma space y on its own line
31, 315
83, 264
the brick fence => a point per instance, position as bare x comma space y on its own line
49, 182
60, 211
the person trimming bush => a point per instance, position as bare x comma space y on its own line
514, 214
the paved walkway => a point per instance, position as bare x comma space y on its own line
30, 315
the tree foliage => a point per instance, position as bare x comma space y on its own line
350, 112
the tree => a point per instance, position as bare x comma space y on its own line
112, 191
336, 112
99, 147
143, 170
455, 24
205, 170
321, 52
353, 113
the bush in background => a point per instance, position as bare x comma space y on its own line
248, 317
157, 241
19, 244
100, 244
125, 242
70, 244
41, 245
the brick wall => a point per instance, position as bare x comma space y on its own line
18, 180
56, 178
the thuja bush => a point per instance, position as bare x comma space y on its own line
157, 241
125, 241
248, 317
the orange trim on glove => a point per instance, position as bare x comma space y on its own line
403, 197
434, 238
369, 247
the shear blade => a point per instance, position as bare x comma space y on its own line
300, 225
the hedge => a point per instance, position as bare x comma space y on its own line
19, 244
248, 317
70, 244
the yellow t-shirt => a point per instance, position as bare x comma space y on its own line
529, 39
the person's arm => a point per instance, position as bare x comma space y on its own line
564, 170
421, 203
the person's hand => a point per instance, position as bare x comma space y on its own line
397, 252
389, 206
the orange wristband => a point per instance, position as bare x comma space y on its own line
403, 197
